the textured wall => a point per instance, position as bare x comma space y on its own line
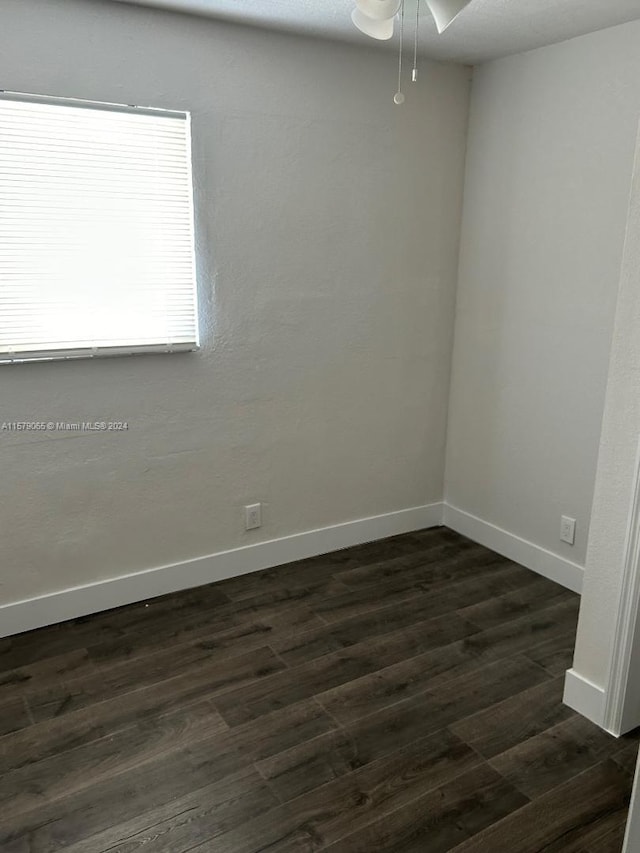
550, 156
328, 225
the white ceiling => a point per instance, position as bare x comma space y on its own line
485, 30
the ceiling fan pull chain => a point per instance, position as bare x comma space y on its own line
398, 98
414, 73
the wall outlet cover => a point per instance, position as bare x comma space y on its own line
252, 516
568, 529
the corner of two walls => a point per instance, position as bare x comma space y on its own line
549, 162
552, 141
309, 272
328, 224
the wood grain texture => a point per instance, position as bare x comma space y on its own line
335, 754
554, 756
610, 842
61, 775
565, 820
514, 721
554, 655
403, 696
439, 820
207, 812
520, 602
334, 810
330, 670
627, 757
193, 663
13, 715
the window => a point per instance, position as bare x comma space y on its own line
96, 230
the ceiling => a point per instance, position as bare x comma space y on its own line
485, 30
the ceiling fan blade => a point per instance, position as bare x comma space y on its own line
446, 11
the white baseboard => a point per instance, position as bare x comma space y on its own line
584, 697
49, 609
79, 601
519, 550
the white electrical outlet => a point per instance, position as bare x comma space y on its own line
568, 529
252, 516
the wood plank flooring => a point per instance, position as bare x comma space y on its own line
403, 696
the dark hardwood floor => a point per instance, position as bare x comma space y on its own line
397, 697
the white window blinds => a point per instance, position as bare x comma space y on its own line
96, 230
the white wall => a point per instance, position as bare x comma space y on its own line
616, 485
549, 165
328, 246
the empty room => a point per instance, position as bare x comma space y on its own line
319, 430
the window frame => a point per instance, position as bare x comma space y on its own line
68, 354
